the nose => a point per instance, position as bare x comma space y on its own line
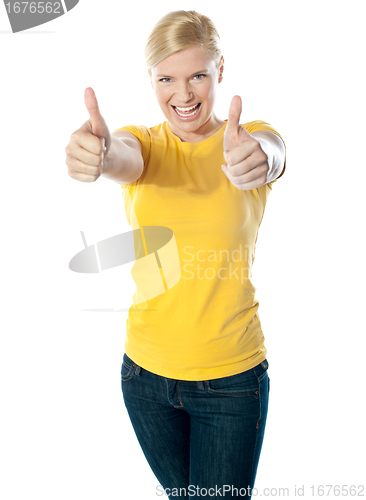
184, 93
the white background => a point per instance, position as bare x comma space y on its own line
65, 433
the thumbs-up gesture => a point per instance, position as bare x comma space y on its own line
89, 144
246, 163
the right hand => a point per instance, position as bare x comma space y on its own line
88, 145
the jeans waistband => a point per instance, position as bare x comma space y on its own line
263, 365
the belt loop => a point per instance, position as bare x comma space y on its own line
265, 364
137, 370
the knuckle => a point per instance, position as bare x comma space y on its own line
99, 148
264, 155
228, 158
93, 169
96, 161
263, 178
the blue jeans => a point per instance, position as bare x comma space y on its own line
199, 435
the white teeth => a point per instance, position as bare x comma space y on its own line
182, 110
178, 111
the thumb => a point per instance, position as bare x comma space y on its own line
96, 120
233, 122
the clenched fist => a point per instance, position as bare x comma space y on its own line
246, 162
89, 144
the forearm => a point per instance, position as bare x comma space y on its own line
121, 162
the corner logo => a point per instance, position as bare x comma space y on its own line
25, 15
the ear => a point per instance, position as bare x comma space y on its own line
221, 69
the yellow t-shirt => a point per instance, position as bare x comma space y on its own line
194, 315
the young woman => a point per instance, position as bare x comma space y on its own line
194, 373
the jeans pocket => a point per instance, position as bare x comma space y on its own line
127, 370
243, 384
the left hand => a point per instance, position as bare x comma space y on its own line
246, 163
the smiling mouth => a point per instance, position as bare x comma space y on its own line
185, 112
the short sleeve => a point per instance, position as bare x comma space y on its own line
143, 134
261, 125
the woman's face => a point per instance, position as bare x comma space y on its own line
185, 86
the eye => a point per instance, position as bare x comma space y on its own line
163, 79
200, 76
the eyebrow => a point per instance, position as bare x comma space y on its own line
195, 73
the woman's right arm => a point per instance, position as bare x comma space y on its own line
93, 151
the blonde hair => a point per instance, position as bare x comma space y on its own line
180, 30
